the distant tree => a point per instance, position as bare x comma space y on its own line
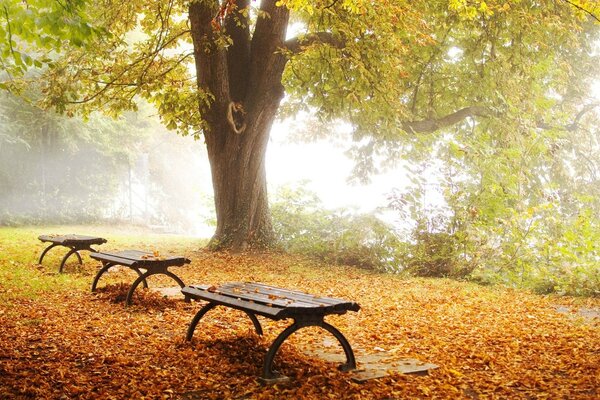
395, 70
56, 169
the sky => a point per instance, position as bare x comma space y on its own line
326, 170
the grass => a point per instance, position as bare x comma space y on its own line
20, 250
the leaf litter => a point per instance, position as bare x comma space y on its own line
489, 343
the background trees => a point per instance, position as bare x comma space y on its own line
401, 74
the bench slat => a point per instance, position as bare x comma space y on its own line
279, 298
243, 305
300, 299
136, 258
72, 239
112, 258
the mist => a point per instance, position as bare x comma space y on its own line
60, 170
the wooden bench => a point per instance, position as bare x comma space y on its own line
138, 260
75, 243
274, 303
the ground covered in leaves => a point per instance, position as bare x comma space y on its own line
59, 340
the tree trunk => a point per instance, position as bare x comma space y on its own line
244, 80
239, 180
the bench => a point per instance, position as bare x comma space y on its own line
75, 243
275, 303
137, 260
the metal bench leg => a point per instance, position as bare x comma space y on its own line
45, 251
134, 285
179, 282
105, 267
271, 376
77, 250
268, 375
350, 360
69, 254
196, 319
255, 322
140, 273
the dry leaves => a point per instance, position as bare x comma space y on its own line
489, 343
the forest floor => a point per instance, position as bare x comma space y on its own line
58, 340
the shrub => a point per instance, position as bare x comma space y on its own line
338, 236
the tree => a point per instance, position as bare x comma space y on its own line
395, 70
43, 157
32, 31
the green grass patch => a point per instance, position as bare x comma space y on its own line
22, 276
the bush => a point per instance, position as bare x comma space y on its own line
338, 236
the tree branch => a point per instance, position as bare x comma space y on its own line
573, 125
296, 44
237, 27
590, 13
266, 62
211, 62
432, 125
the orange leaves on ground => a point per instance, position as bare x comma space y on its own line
488, 343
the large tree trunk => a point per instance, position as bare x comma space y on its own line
245, 81
239, 180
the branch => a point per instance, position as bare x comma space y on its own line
211, 62
332, 4
573, 125
296, 44
591, 14
237, 27
432, 125
144, 57
266, 61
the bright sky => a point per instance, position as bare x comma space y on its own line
326, 169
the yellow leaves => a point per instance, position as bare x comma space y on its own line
489, 343
469, 9
212, 289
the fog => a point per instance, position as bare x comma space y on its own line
59, 170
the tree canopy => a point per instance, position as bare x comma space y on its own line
404, 74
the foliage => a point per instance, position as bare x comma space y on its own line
339, 236
488, 343
382, 64
524, 212
32, 33
402, 74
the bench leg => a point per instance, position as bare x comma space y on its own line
45, 251
105, 267
196, 319
271, 376
255, 322
350, 359
207, 308
69, 254
142, 278
140, 273
134, 285
179, 282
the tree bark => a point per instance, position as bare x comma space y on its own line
245, 81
